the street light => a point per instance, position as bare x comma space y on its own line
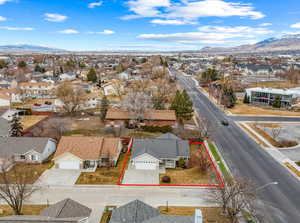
268, 184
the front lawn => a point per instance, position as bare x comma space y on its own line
210, 214
26, 210
103, 175
32, 170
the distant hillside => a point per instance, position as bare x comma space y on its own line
284, 43
26, 47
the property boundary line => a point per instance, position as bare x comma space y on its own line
219, 177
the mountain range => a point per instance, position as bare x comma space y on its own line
27, 47
271, 45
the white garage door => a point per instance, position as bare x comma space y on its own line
70, 165
145, 165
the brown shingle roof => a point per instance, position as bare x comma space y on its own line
87, 147
119, 114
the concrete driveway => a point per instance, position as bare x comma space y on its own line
59, 177
133, 176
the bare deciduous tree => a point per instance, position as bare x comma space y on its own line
16, 186
275, 132
200, 160
71, 97
238, 194
137, 103
204, 129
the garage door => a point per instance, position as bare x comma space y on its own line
145, 165
70, 165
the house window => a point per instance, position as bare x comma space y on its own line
33, 157
22, 157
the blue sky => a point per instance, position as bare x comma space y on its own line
145, 24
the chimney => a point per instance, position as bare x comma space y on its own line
198, 216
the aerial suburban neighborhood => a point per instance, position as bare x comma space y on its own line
185, 111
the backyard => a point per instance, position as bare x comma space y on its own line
26, 210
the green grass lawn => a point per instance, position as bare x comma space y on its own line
218, 159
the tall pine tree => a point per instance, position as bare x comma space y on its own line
92, 76
104, 107
183, 106
16, 128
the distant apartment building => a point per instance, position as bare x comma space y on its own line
266, 96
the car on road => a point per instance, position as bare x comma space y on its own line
225, 122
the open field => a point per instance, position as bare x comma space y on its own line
248, 109
274, 84
26, 210
210, 214
103, 175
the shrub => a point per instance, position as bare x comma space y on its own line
298, 163
163, 129
287, 143
166, 179
181, 163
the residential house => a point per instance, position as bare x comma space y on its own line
67, 77
113, 88
139, 212
87, 152
65, 211
13, 94
118, 117
37, 89
25, 149
4, 101
164, 151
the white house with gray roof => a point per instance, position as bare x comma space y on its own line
25, 149
164, 151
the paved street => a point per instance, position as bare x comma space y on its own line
265, 118
245, 157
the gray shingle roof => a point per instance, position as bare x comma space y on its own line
161, 148
67, 208
20, 145
168, 136
133, 212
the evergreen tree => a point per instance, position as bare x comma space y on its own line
246, 99
92, 76
22, 64
277, 102
209, 76
158, 102
16, 128
104, 107
183, 106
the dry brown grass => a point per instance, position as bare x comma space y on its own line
35, 170
103, 175
210, 214
274, 84
26, 210
292, 168
30, 120
258, 140
249, 109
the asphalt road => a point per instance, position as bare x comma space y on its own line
281, 203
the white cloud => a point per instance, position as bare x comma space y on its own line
10, 28
170, 22
54, 17
146, 8
266, 24
69, 31
95, 4
190, 10
212, 35
4, 1
2, 18
105, 32
296, 25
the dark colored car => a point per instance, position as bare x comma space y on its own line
224, 122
